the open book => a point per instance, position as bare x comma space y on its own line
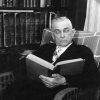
37, 66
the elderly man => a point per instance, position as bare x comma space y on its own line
62, 33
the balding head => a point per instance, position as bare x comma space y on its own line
61, 20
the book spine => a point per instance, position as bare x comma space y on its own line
23, 27
37, 27
32, 28
7, 35
25, 3
4, 3
50, 18
36, 3
1, 3
32, 3
17, 29
12, 28
1, 30
42, 3
10, 3
28, 28
15, 3
28, 3
46, 16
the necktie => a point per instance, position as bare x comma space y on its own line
56, 54
58, 50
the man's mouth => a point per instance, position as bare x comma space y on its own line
63, 41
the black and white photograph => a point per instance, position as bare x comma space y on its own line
49, 49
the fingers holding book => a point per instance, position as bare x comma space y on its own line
53, 81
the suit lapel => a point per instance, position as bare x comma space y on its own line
67, 54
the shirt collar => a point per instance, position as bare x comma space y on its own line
64, 47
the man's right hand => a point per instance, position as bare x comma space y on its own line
26, 52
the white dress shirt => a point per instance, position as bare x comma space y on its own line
59, 50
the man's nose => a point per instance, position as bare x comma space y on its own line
62, 35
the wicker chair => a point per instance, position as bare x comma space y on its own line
92, 40
78, 94
6, 79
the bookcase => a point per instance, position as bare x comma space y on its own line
22, 21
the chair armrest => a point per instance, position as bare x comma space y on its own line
78, 94
62, 93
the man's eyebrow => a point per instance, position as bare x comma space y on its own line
56, 30
67, 28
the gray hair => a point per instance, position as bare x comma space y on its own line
64, 18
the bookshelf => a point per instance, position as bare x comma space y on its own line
21, 27
22, 21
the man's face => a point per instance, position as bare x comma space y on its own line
62, 33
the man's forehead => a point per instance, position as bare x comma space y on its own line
62, 23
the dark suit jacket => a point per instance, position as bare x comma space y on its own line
31, 89
88, 78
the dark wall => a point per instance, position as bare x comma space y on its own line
74, 9
80, 14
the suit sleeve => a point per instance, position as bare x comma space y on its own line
90, 77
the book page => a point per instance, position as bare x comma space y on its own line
70, 67
69, 61
40, 61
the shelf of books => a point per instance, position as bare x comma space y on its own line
22, 21
22, 27
34, 3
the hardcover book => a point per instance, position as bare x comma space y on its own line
1, 30
23, 27
7, 35
37, 66
17, 29
28, 21
32, 29
37, 26
12, 28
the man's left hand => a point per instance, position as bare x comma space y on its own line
53, 81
